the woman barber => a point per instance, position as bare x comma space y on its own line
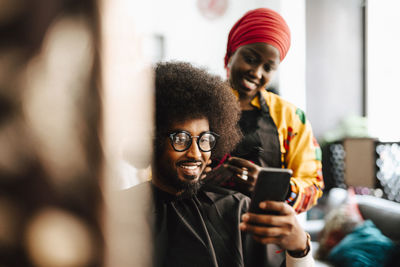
276, 132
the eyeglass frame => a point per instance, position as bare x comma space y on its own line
171, 138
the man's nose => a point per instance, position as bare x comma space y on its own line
194, 151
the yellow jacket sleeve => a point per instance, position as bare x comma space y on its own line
300, 151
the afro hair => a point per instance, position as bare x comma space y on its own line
185, 92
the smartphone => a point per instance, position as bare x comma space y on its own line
272, 184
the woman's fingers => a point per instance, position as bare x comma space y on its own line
241, 162
206, 170
218, 175
242, 173
233, 168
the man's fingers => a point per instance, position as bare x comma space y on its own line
261, 230
267, 240
282, 207
262, 219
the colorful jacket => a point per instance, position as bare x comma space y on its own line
299, 150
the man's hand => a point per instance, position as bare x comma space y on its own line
283, 229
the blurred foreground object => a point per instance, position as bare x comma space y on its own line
47, 232
128, 131
50, 156
67, 124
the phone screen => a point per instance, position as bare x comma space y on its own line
272, 184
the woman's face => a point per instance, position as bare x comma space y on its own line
252, 67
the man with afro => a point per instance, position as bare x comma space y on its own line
193, 222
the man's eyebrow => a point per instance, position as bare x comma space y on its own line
174, 130
186, 131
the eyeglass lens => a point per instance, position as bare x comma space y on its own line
182, 141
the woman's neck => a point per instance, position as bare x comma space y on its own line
245, 103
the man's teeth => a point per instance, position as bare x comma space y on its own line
189, 167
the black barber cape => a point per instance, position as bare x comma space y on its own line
202, 230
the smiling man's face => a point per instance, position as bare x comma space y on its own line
178, 172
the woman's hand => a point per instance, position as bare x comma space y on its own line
245, 173
216, 176
282, 229
207, 169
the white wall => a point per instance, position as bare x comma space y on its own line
191, 37
334, 62
292, 73
383, 69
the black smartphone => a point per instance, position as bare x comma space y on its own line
272, 184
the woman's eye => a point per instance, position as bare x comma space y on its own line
250, 59
267, 67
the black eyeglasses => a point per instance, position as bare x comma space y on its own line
182, 140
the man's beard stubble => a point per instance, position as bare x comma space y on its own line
187, 189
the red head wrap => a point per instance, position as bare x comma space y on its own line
260, 25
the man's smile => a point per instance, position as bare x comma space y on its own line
190, 170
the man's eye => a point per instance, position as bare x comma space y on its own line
205, 140
180, 139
